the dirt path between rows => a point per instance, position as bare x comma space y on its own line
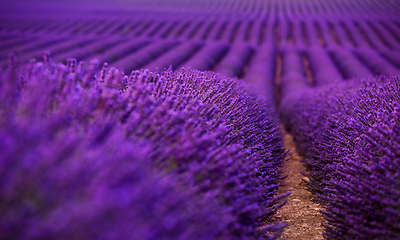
300, 212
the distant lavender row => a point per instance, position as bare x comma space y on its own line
347, 46
375, 33
321, 65
349, 136
97, 155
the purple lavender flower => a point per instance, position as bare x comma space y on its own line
96, 154
349, 137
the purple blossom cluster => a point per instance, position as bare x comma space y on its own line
349, 135
90, 153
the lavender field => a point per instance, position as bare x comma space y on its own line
162, 119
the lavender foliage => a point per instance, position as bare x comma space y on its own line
90, 153
349, 136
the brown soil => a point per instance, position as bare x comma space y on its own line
300, 212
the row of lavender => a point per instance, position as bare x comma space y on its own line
349, 135
89, 154
376, 33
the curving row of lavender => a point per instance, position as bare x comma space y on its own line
90, 153
350, 137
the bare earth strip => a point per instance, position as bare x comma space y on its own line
300, 212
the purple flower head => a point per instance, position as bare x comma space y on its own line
91, 153
349, 137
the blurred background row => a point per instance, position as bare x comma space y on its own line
255, 40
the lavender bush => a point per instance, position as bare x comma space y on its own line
349, 136
96, 154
